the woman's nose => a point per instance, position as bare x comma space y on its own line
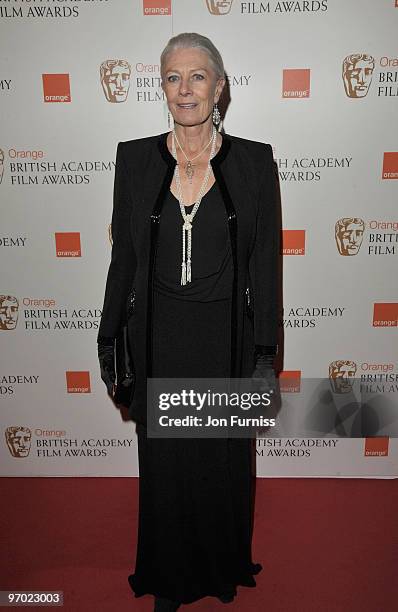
185, 88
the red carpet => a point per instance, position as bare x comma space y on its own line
327, 545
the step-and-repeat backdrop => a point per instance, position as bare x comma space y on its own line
318, 79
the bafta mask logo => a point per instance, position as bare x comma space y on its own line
1, 165
341, 375
115, 79
218, 7
18, 440
357, 74
348, 233
8, 312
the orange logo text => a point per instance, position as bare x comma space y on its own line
56, 88
376, 447
157, 7
390, 165
296, 83
385, 314
67, 244
289, 381
293, 242
78, 382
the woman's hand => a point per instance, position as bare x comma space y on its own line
264, 373
106, 357
265, 381
264, 370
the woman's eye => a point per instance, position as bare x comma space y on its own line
198, 76
172, 78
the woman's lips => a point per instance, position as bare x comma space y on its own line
187, 106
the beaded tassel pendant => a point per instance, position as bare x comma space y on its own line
189, 170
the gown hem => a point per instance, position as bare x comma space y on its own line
230, 592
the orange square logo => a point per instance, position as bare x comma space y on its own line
376, 447
56, 87
293, 242
289, 381
67, 244
157, 7
296, 83
390, 165
78, 382
385, 315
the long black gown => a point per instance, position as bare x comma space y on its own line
195, 495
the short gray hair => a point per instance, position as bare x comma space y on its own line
188, 40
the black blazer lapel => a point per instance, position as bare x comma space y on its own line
167, 169
218, 164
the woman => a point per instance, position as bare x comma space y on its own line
204, 293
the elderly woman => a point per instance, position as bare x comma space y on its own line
195, 255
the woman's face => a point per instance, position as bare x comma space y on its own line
190, 85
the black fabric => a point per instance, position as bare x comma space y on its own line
212, 268
106, 358
195, 495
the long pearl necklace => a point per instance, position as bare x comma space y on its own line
188, 218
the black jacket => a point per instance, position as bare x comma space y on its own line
244, 171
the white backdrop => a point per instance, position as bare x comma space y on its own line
337, 153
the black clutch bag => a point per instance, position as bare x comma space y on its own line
124, 364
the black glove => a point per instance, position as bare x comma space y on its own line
264, 372
264, 376
106, 356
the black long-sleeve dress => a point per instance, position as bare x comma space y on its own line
195, 495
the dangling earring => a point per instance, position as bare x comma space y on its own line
216, 115
168, 118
